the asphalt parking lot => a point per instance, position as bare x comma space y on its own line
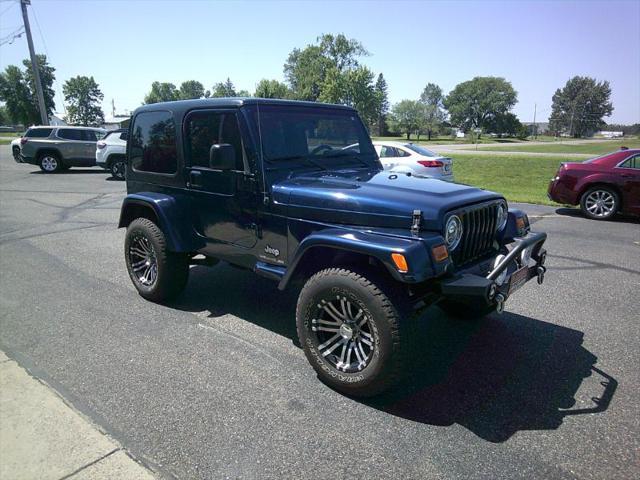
214, 385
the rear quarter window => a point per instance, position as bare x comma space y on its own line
70, 134
38, 132
153, 143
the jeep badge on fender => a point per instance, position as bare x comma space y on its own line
371, 247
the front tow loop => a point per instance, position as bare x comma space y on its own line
500, 303
541, 271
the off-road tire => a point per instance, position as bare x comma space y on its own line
387, 315
172, 268
50, 162
607, 191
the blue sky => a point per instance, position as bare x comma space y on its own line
537, 45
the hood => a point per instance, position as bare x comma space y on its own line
373, 198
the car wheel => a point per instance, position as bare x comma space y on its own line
118, 169
49, 163
599, 203
158, 274
16, 154
350, 330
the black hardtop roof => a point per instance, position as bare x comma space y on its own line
232, 102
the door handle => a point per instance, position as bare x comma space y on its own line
195, 179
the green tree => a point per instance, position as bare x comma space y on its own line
406, 117
271, 89
578, 108
306, 69
503, 124
224, 89
354, 88
472, 103
83, 97
161, 92
382, 104
191, 89
17, 91
433, 112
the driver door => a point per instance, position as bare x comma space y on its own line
225, 200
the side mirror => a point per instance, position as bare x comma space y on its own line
124, 136
222, 156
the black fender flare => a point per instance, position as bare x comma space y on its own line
169, 212
416, 251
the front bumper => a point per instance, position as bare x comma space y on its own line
480, 290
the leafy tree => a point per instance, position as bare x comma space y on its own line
83, 96
192, 89
503, 124
578, 108
161, 92
243, 93
224, 89
472, 103
271, 89
406, 117
382, 104
433, 113
17, 90
354, 88
306, 70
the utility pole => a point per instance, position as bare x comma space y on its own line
34, 63
535, 127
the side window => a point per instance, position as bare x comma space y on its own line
38, 132
153, 143
633, 162
70, 133
387, 152
209, 128
89, 136
402, 153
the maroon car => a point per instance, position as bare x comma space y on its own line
602, 186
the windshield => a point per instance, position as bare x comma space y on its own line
420, 150
318, 136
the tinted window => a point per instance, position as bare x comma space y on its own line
209, 128
153, 143
38, 132
633, 162
421, 150
70, 133
388, 152
89, 135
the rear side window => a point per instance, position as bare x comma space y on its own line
153, 143
89, 136
70, 134
633, 162
38, 132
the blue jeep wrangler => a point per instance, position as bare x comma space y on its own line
295, 192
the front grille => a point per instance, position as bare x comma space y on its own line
479, 233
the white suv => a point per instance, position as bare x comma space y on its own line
111, 151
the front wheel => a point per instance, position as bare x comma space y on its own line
49, 163
349, 327
118, 168
158, 274
599, 203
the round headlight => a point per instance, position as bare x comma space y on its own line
501, 216
453, 232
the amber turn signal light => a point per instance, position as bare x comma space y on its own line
401, 262
440, 253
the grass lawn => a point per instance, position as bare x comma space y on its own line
596, 148
445, 140
518, 178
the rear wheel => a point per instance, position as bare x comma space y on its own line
158, 274
118, 168
600, 203
49, 163
16, 154
349, 327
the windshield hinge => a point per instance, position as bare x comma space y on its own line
416, 219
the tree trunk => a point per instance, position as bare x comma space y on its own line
408, 135
429, 135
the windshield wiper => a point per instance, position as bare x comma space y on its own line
305, 158
346, 154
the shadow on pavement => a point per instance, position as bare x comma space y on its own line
576, 213
495, 376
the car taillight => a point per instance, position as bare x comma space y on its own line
23, 140
431, 163
101, 145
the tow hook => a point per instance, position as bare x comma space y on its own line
499, 303
541, 271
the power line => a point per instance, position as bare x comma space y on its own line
17, 33
8, 8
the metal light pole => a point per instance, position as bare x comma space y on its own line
34, 64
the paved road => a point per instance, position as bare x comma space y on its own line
214, 386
